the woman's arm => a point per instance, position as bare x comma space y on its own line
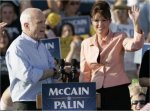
71, 52
137, 42
85, 71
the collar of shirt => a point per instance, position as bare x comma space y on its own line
31, 41
94, 40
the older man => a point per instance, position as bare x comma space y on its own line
29, 63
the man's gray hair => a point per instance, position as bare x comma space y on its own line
26, 16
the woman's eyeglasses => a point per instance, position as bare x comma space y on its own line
142, 102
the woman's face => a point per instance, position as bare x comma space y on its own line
121, 15
66, 31
59, 4
8, 14
100, 24
73, 6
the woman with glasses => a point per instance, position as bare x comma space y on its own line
101, 58
137, 101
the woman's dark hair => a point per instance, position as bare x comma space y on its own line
69, 24
103, 8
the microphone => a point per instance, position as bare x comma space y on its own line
74, 73
61, 71
61, 63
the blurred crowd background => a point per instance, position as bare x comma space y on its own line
55, 11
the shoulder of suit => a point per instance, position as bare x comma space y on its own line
89, 39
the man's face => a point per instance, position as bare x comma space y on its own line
37, 26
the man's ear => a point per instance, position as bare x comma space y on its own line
26, 25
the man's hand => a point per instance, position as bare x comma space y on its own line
47, 74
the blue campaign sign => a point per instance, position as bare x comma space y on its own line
53, 45
69, 96
80, 23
